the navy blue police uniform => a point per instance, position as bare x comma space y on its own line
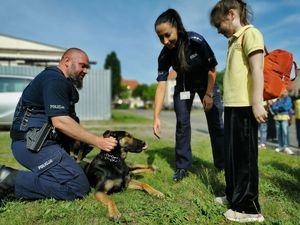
201, 58
52, 172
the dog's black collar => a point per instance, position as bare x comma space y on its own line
111, 158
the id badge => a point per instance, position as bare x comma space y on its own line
185, 95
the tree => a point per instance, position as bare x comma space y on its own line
112, 62
139, 91
145, 92
150, 93
124, 92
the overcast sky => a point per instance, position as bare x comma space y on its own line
126, 27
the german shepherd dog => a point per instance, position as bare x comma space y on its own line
108, 172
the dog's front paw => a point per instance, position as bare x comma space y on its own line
113, 212
115, 216
158, 194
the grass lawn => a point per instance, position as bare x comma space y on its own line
190, 201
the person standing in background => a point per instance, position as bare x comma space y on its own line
282, 108
263, 130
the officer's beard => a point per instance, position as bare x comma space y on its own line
75, 77
78, 83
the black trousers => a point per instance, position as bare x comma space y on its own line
215, 125
241, 154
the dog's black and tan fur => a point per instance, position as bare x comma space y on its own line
108, 172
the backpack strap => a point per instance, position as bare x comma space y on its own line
296, 70
266, 50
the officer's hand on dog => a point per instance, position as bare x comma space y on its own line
107, 144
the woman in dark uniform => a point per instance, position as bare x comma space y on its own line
192, 58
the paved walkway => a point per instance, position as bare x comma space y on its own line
198, 123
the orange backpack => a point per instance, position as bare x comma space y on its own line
277, 69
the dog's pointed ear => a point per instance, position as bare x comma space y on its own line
107, 133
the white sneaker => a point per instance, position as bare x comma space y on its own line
263, 146
243, 217
288, 151
222, 200
278, 149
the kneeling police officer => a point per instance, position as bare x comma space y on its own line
43, 120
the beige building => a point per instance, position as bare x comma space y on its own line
20, 52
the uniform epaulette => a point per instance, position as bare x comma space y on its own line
195, 37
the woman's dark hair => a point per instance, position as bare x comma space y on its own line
172, 17
222, 8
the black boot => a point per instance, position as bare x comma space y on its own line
180, 174
7, 182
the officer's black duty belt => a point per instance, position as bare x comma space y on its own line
17, 135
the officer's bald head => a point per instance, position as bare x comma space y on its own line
73, 52
74, 63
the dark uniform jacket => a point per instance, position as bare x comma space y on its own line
200, 57
49, 94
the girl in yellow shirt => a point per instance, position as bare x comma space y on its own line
244, 110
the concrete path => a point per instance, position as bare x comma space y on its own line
198, 123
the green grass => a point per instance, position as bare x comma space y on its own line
186, 202
119, 117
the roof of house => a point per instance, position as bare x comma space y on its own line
131, 84
10, 42
14, 48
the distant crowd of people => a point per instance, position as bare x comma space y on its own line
282, 112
